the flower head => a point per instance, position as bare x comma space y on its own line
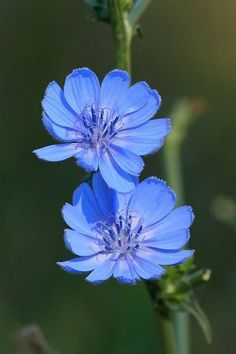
127, 236
105, 127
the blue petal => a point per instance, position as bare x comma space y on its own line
129, 162
58, 132
174, 258
124, 271
166, 240
56, 107
121, 201
110, 200
146, 269
136, 97
145, 113
57, 152
83, 264
102, 272
84, 199
76, 220
114, 85
178, 219
87, 159
104, 195
153, 200
80, 244
164, 257
82, 89
147, 138
114, 176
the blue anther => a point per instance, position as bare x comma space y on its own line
102, 115
120, 221
115, 121
130, 221
85, 122
113, 135
139, 230
105, 240
105, 133
111, 233
93, 115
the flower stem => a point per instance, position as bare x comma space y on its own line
169, 335
122, 33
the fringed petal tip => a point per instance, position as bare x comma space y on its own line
127, 281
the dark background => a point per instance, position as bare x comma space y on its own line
187, 49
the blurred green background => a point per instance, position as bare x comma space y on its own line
187, 49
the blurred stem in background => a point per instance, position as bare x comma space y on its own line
182, 116
184, 113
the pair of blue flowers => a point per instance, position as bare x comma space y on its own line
119, 227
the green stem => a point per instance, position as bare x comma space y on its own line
122, 33
181, 320
169, 335
182, 117
173, 169
175, 180
167, 323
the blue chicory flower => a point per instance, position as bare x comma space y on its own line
104, 127
127, 236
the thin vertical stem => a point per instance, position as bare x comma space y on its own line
168, 330
122, 33
169, 335
173, 171
182, 116
172, 157
174, 176
181, 320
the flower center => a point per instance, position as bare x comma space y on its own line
119, 235
97, 128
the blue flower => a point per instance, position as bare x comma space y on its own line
127, 236
104, 127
